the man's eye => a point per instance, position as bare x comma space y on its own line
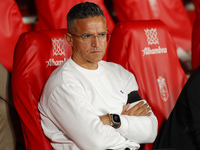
86, 36
102, 35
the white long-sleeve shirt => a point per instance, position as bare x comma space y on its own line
74, 98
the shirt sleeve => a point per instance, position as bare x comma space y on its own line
129, 79
70, 111
139, 129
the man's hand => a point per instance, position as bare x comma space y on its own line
139, 109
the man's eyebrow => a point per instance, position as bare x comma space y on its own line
97, 33
103, 32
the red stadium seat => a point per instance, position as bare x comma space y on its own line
171, 12
146, 49
196, 44
196, 38
52, 13
37, 54
11, 28
197, 6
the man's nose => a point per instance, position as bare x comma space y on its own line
95, 41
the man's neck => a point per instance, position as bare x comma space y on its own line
85, 64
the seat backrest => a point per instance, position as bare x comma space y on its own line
37, 54
197, 5
171, 12
11, 27
146, 49
196, 44
52, 13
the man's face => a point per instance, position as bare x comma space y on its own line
86, 53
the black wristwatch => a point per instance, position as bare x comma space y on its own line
116, 122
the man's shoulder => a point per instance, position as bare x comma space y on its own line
64, 72
62, 75
111, 64
114, 67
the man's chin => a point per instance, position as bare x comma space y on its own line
97, 56
96, 60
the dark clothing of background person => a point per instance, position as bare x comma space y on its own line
182, 129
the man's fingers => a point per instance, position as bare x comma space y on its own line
145, 111
148, 114
140, 109
125, 107
138, 106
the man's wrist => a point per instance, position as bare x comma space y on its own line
105, 119
110, 120
115, 121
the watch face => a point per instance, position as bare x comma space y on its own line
116, 118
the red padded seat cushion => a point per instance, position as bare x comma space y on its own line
37, 54
11, 28
146, 49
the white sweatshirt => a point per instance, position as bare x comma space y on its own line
74, 98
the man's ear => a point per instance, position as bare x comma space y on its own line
69, 39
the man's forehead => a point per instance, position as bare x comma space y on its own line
91, 23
